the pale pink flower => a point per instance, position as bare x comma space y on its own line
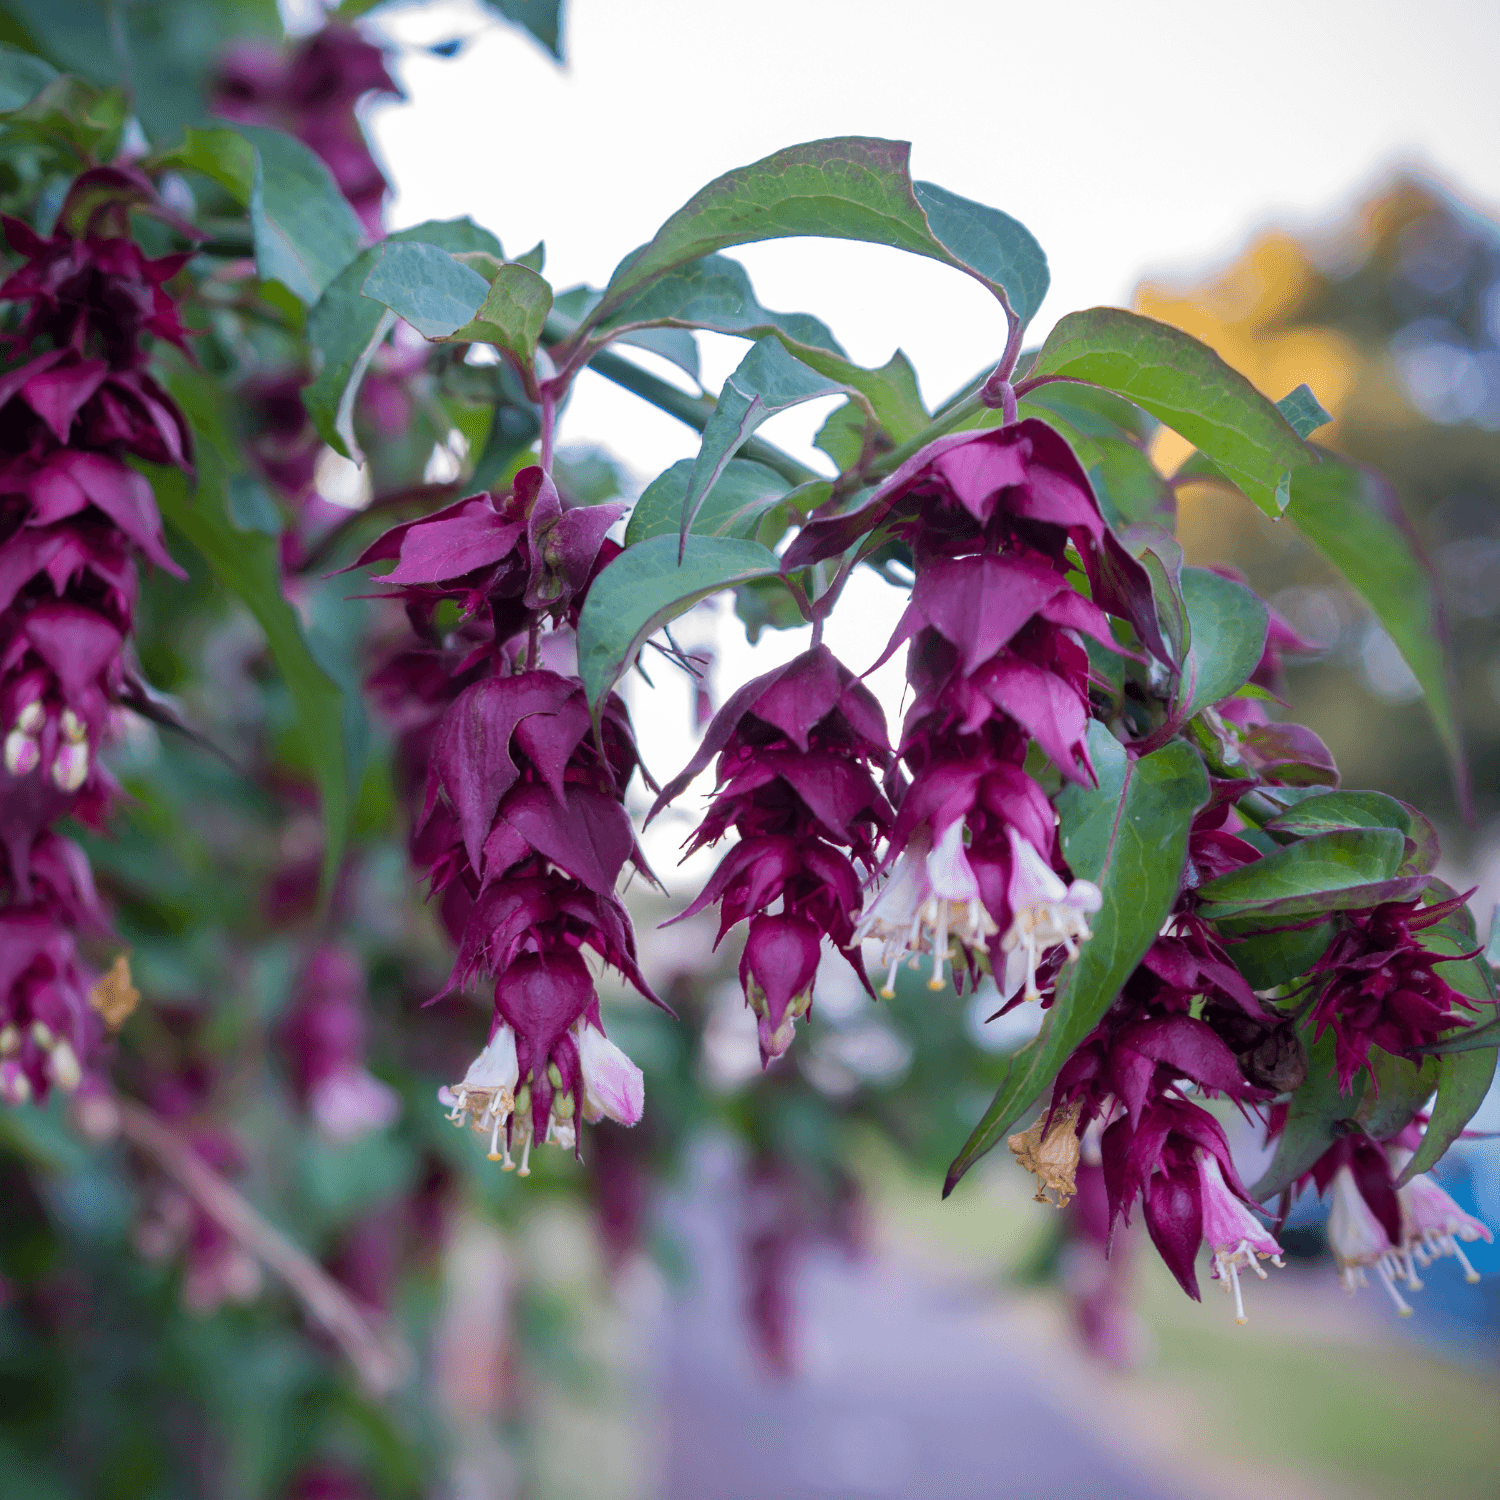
612, 1084
1045, 913
487, 1092
1237, 1238
1432, 1224
1359, 1241
931, 899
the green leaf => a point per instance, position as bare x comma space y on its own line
646, 587
1303, 411
451, 303
1475, 1039
1400, 1089
427, 287
249, 566
305, 231
1327, 872
1466, 971
1227, 635
512, 316
1325, 811
736, 506
1463, 1081
998, 249
542, 18
345, 328
715, 294
849, 188
842, 436
250, 506
1186, 385
1314, 1110
1094, 411
71, 111
1128, 483
23, 75
766, 604
676, 345
1160, 554
1129, 836
768, 380
223, 155
1268, 959
1355, 520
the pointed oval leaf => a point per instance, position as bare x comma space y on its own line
1324, 811
305, 231
735, 507
512, 315
427, 287
1398, 1089
1463, 1081
851, 188
1268, 959
1352, 516
1318, 870
542, 18
768, 380
1183, 383
449, 302
1227, 635
345, 327
646, 587
1129, 836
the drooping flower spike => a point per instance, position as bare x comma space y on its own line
520, 827
75, 519
996, 661
796, 750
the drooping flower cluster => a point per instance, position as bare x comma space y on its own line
322, 1038
1376, 1225
521, 829
74, 519
312, 92
1131, 1074
794, 781
996, 662
1378, 986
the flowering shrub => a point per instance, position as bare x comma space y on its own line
1091, 812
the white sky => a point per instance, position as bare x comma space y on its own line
1132, 139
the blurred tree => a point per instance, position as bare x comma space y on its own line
1392, 316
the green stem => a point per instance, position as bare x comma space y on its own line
955, 416
695, 411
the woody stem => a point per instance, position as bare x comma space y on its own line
379, 1362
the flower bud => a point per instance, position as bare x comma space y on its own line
62, 1067
22, 753
15, 1087
70, 769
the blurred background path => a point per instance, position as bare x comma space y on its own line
904, 1390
